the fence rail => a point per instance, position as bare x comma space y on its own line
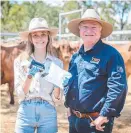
117, 37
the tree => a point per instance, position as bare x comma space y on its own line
67, 7
5, 8
122, 8
49, 13
115, 12
16, 16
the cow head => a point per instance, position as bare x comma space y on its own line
65, 49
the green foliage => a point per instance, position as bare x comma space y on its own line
115, 12
49, 13
5, 8
16, 16
70, 6
122, 9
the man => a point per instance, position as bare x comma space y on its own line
96, 92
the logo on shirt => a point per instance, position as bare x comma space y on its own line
120, 69
95, 60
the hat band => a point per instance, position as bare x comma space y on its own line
39, 28
91, 18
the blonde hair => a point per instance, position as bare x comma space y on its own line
30, 48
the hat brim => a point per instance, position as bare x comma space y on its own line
24, 35
73, 26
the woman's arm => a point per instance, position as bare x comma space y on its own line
26, 85
57, 93
21, 80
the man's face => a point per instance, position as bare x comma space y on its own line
90, 31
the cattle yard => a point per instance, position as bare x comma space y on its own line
64, 49
8, 115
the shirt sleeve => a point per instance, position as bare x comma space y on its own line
60, 64
19, 79
117, 87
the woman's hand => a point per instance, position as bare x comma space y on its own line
57, 93
68, 112
33, 71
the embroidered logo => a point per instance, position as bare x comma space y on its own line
120, 69
95, 60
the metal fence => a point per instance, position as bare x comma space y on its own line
117, 37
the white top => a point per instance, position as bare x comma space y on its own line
39, 86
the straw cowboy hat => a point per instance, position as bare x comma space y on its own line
91, 15
38, 24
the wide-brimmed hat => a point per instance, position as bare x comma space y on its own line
91, 15
38, 24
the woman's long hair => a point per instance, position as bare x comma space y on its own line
30, 48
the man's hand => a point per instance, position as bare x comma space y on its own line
98, 123
66, 79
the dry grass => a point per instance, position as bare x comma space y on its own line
8, 115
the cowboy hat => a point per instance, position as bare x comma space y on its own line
38, 24
91, 15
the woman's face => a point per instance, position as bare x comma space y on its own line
40, 39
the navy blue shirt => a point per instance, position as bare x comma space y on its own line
98, 81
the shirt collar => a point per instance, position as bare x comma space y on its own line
48, 57
96, 47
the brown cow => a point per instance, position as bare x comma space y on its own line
8, 54
125, 51
128, 63
65, 49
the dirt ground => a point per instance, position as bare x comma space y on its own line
8, 115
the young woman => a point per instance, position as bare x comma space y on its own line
36, 108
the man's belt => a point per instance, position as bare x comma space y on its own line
85, 115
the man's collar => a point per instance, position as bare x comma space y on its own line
97, 46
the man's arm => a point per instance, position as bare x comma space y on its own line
117, 87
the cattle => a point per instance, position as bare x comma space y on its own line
125, 51
63, 49
129, 84
8, 54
